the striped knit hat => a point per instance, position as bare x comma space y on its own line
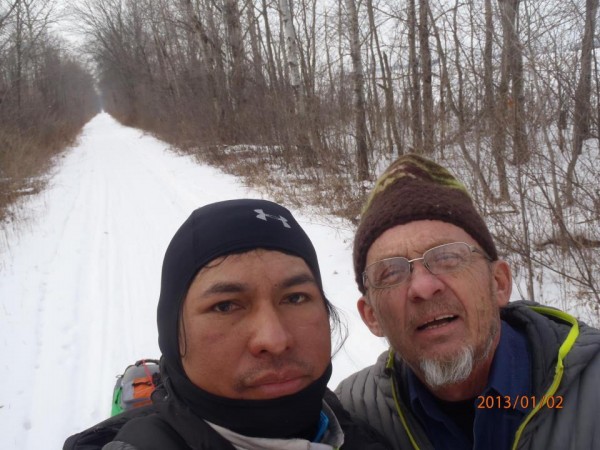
415, 188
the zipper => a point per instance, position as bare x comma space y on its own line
563, 350
390, 365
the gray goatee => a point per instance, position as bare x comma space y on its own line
441, 373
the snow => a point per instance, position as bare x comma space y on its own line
80, 276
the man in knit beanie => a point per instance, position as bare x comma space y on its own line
465, 369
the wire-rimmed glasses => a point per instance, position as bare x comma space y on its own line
438, 260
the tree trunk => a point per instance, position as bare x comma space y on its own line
415, 91
488, 66
521, 151
215, 72
253, 31
501, 104
457, 105
426, 78
581, 112
390, 108
359, 100
232, 20
271, 67
291, 44
512, 58
19, 57
392, 134
303, 127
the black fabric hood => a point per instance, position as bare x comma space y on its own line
219, 229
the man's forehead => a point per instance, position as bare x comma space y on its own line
260, 253
414, 238
237, 272
223, 287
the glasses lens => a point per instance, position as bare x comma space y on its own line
447, 258
388, 272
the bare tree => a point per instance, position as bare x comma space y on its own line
391, 124
488, 64
581, 112
234, 33
512, 108
491, 86
359, 99
7, 12
212, 58
292, 53
45, 96
254, 33
426, 78
271, 67
415, 89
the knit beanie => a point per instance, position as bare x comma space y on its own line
415, 188
219, 229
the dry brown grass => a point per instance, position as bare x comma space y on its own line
26, 155
285, 175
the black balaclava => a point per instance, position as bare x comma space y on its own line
219, 229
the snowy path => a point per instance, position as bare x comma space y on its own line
79, 285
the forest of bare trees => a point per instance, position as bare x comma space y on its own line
504, 92
45, 96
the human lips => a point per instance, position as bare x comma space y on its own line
278, 384
438, 321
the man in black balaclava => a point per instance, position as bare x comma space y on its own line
244, 330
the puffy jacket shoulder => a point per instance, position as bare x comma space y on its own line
367, 395
96, 437
358, 435
150, 432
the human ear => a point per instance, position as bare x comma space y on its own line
369, 317
503, 281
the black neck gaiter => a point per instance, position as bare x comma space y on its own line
292, 416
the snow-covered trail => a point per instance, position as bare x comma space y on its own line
79, 284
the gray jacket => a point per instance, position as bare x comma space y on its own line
565, 360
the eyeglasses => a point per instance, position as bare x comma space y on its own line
438, 260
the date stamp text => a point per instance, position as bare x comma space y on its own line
522, 401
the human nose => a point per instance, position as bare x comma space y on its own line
423, 285
270, 335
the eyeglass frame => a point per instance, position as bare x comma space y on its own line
472, 249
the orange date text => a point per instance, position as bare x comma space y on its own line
520, 401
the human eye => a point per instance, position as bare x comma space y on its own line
389, 272
445, 259
225, 307
296, 298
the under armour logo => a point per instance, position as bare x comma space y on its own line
260, 214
